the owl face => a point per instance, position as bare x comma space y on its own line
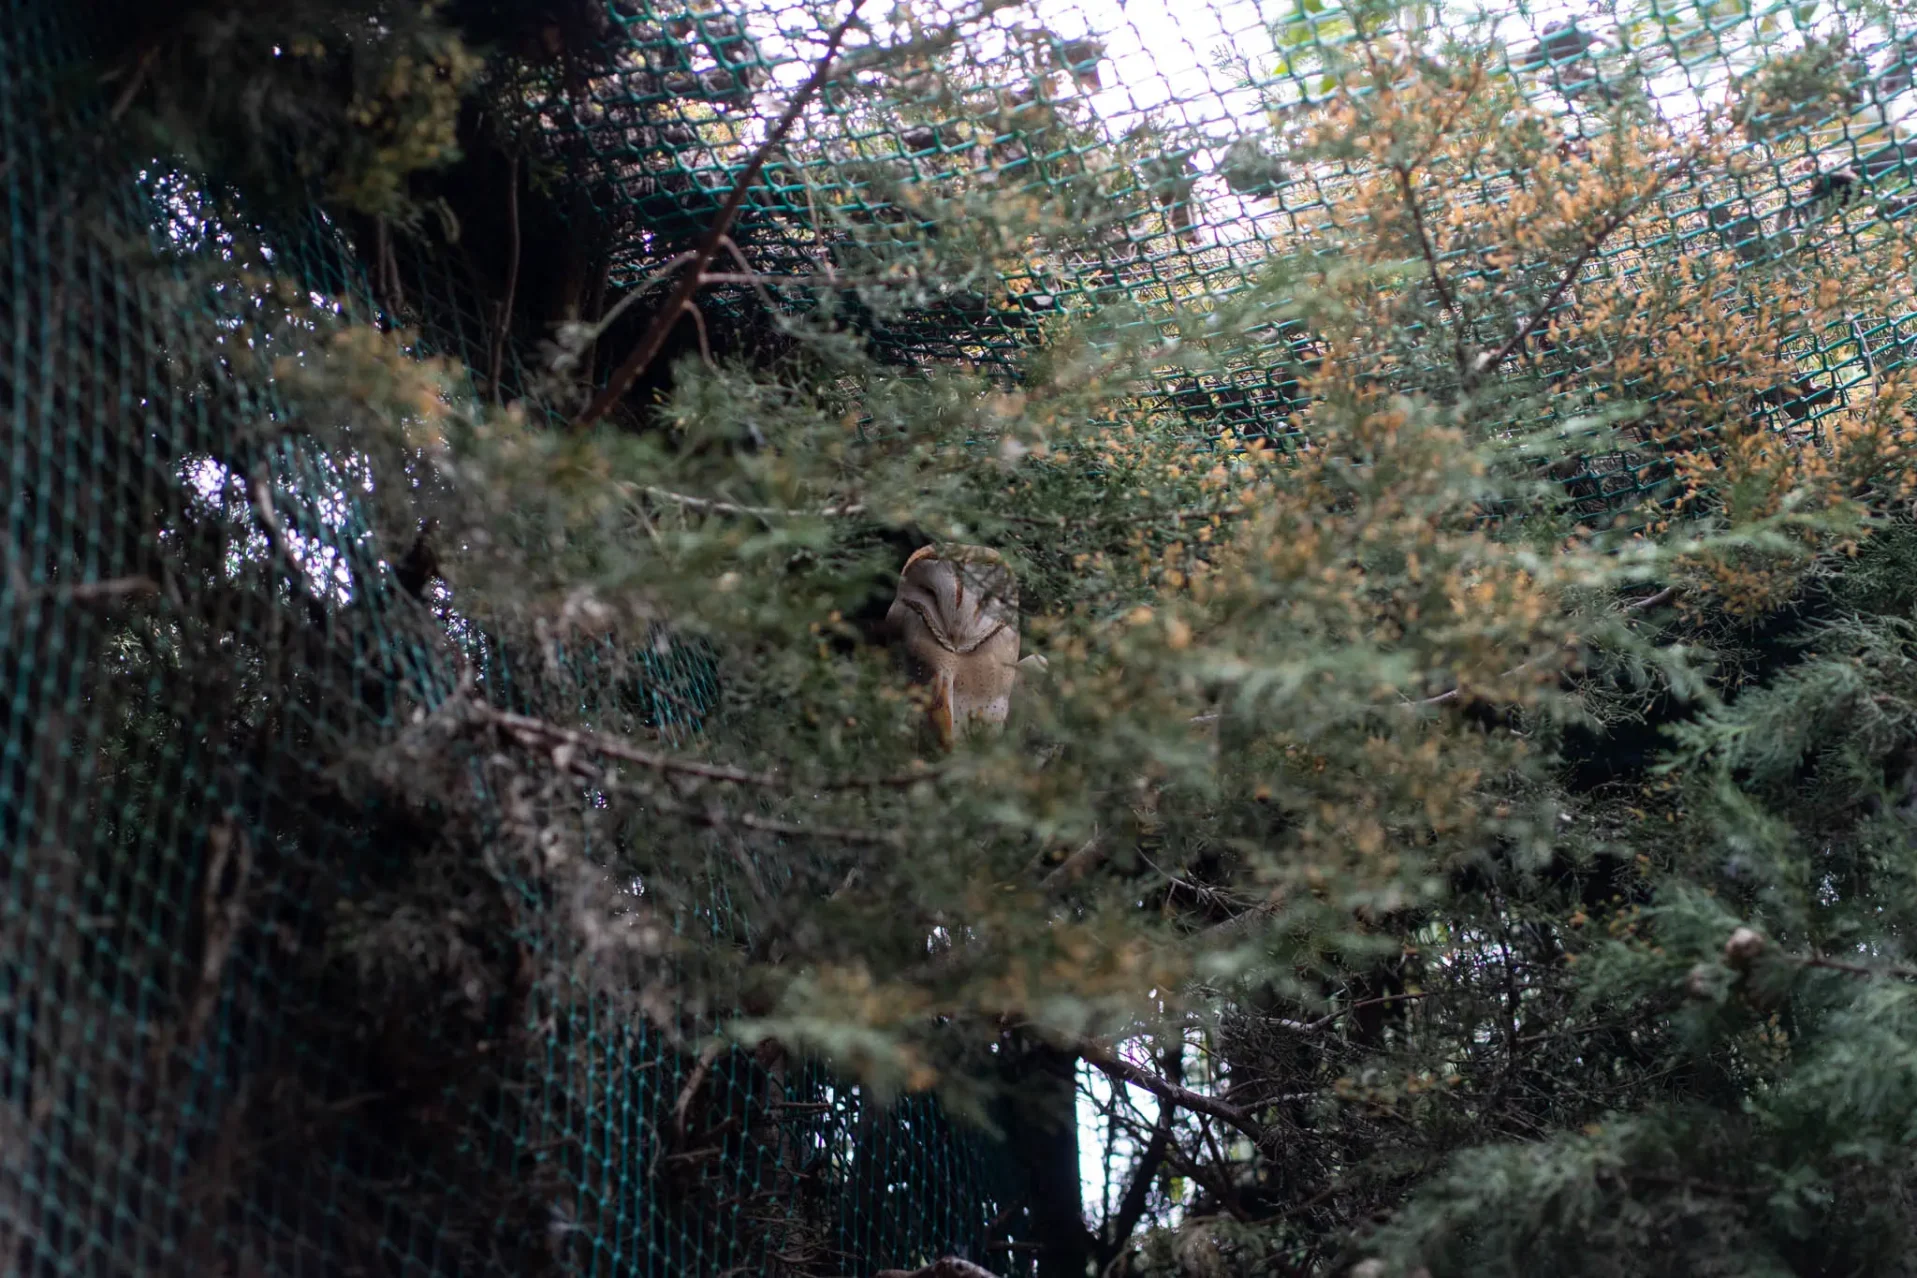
955, 618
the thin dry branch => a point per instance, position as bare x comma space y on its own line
708, 505
1438, 282
1123, 519
504, 325
134, 84
1121, 1070
537, 732
1893, 970
227, 871
531, 731
1407, 189
1452, 694
918, 772
758, 279
1329, 1017
261, 490
699, 322
1131, 1208
694, 1081
1075, 866
1242, 923
667, 317
1663, 596
637, 291
106, 590
752, 277
1488, 360
564, 742
713, 818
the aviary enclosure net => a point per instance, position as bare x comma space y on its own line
192, 1078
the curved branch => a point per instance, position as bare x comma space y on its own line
1131, 1208
1117, 1068
668, 315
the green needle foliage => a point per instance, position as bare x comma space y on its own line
1462, 820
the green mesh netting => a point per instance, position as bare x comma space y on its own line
1159, 136
178, 859
179, 848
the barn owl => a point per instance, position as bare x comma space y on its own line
956, 615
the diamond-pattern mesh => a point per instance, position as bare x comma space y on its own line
200, 635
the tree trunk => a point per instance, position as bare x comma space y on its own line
1041, 1121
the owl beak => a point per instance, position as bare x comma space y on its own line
940, 711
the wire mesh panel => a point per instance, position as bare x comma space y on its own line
228, 1041
239, 1030
1153, 159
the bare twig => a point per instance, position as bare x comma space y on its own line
715, 819
749, 275
662, 324
1075, 866
694, 1081
1121, 519
391, 292
711, 506
1488, 360
504, 325
1131, 1208
919, 772
633, 294
1243, 922
108, 588
1894, 970
1348, 1008
674, 700
104, 591
1227, 1190
1402, 170
699, 322
537, 732
1454, 693
133, 84
747, 867
1663, 596
1206, 895
222, 911
760, 279
1121, 1070
261, 489
1425, 246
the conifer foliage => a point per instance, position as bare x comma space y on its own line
1454, 807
